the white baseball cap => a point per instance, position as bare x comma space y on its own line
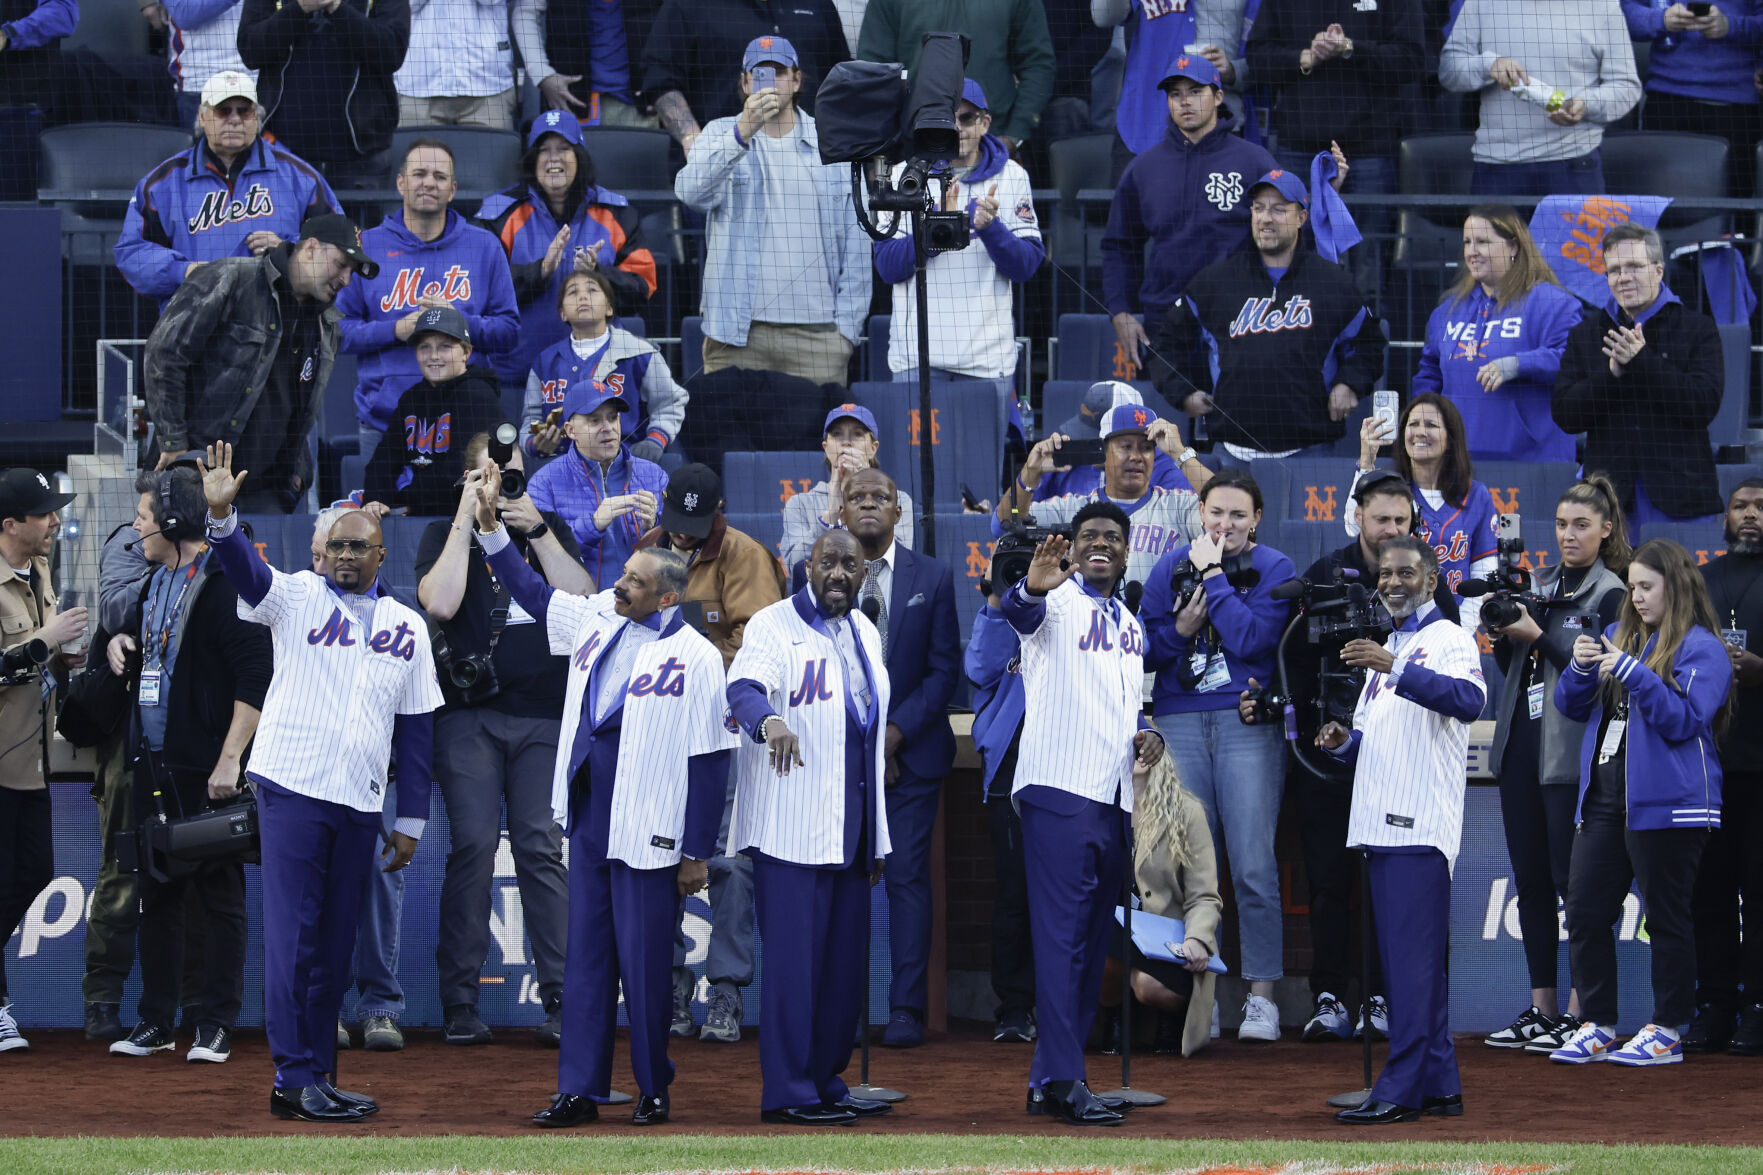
228, 83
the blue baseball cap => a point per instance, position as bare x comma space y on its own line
555, 122
855, 412
1103, 395
772, 49
585, 399
1287, 184
1193, 67
971, 92
1124, 418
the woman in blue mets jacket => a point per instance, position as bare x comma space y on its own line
1651, 691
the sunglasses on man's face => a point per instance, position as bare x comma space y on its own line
356, 547
970, 117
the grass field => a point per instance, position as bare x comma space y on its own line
842, 1152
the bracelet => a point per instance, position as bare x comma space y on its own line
1209, 569
765, 725
1024, 486
742, 143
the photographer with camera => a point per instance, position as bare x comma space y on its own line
1131, 435
1409, 747
1536, 747
1654, 691
33, 631
1210, 625
496, 738
200, 675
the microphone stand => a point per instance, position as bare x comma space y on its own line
1126, 1093
875, 1093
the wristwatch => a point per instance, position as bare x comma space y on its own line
1186, 455
538, 532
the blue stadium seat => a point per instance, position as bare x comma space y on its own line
398, 573
1705, 540
875, 366
1731, 475
270, 533
964, 542
630, 158
691, 346
1733, 419
354, 470
1088, 350
968, 422
1309, 498
485, 159
766, 526
760, 481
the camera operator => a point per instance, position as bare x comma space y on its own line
1211, 624
1409, 746
1536, 747
30, 520
1384, 507
496, 740
201, 674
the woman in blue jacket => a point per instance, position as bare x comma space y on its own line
1494, 344
1204, 648
1651, 692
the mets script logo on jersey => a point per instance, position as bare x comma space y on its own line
667, 682
394, 642
1454, 551
552, 390
1153, 9
813, 688
1258, 317
1224, 190
408, 288
584, 656
220, 209
429, 436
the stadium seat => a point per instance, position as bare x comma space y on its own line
270, 534
103, 156
691, 345
485, 159
1077, 163
765, 526
630, 159
1309, 496
398, 572
964, 542
1429, 240
1704, 541
759, 481
354, 470
109, 28
967, 437
1731, 475
1732, 422
875, 365
1089, 351
1684, 167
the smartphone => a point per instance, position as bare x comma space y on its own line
764, 78
970, 502
1508, 530
1385, 406
1698, 8
1076, 453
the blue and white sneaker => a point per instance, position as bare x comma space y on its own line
1652, 1045
1589, 1043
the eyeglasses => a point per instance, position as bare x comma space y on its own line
1632, 269
243, 111
970, 118
356, 547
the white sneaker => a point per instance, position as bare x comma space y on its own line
1260, 1019
9, 1034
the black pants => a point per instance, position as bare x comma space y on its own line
1732, 865
27, 858
1013, 957
1607, 857
1539, 839
1333, 870
217, 890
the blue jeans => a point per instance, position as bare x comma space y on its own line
376, 944
1572, 177
1238, 774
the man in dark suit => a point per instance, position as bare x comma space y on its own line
914, 608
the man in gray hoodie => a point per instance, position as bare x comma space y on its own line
1552, 74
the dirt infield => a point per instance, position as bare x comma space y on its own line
959, 1083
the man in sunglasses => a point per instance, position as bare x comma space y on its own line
354, 679
972, 327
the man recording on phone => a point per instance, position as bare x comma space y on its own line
496, 737
1409, 747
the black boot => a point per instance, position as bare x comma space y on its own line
1167, 1041
1747, 1041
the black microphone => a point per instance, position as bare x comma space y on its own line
871, 607
1135, 591
1291, 589
1471, 588
133, 543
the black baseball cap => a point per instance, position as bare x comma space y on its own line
689, 506
1381, 481
25, 491
442, 320
336, 229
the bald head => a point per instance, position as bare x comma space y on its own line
355, 549
872, 510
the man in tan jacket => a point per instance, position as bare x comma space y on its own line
30, 520
731, 576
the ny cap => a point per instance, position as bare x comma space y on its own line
689, 505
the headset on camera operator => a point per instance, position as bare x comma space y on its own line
1319, 688
496, 739
1211, 623
200, 675
1536, 746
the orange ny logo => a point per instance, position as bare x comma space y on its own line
1124, 365
1319, 509
262, 551
936, 427
1507, 503
1533, 560
790, 487
979, 559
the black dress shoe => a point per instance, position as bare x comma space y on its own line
310, 1103
362, 1103
1444, 1107
863, 1107
1376, 1113
1073, 1102
568, 1109
650, 1111
809, 1116
104, 1023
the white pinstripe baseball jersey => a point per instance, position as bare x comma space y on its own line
1413, 762
800, 817
326, 730
1083, 678
1162, 521
673, 709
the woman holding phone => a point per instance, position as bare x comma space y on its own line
1454, 512
1494, 344
1652, 690
1211, 623
1536, 746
